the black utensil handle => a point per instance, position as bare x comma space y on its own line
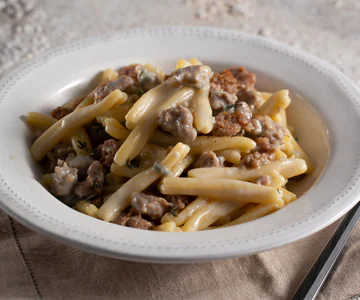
314, 280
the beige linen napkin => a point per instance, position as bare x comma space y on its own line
33, 267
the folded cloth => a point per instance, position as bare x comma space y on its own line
34, 266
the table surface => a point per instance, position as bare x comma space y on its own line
329, 29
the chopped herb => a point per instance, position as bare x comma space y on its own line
173, 211
81, 145
94, 152
278, 191
230, 106
161, 169
296, 139
96, 185
88, 199
139, 92
130, 165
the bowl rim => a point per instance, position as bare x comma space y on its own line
85, 243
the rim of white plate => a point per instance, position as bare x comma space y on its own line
149, 250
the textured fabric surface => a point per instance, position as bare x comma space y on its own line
34, 267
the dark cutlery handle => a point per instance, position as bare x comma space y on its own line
316, 277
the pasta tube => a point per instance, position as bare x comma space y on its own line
230, 155
182, 63
206, 216
125, 171
256, 213
293, 149
212, 143
221, 188
184, 215
118, 113
81, 142
39, 120
150, 99
108, 75
202, 112
86, 208
195, 61
167, 227
115, 129
277, 101
286, 168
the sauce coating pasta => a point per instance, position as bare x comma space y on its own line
180, 152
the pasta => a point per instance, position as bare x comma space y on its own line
202, 110
188, 151
224, 188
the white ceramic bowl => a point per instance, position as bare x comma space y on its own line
324, 111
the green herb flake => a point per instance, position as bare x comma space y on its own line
230, 106
96, 185
130, 165
82, 145
297, 139
139, 92
94, 152
278, 191
173, 211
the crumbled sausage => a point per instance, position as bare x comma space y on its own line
60, 151
268, 135
233, 80
251, 98
132, 219
245, 79
264, 126
220, 100
193, 76
81, 163
224, 81
152, 206
138, 222
61, 111
130, 70
256, 159
179, 202
263, 180
64, 179
108, 151
147, 79
229, 123
178, 120
94, 182
122, 219
209, 160
97, 134
121, 83
263, 145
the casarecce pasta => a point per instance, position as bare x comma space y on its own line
191, 150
